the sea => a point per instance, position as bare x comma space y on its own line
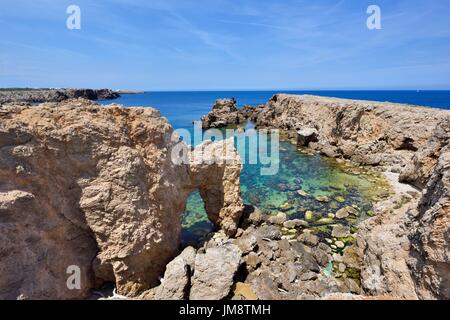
302, 179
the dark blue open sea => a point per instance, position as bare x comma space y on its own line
181, 108
312, 175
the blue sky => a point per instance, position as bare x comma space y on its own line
220, 44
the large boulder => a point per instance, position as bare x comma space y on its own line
177, 278
96, 189
224, 112
431, 248
214, 272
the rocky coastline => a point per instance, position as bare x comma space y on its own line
95, 186
403, 251
30, 96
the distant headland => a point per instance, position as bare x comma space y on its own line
40, 95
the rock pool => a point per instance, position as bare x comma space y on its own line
324, 192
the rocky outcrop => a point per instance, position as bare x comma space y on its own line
385, 250
373, 133
404, 249
224, 112
214, 169
97, 187
259, 262
54, 95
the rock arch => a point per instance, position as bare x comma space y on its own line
95, 186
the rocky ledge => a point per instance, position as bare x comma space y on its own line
96, 187
404, 250
54, 95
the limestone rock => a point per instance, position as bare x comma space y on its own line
367, 132
279, 219
177, 277
342, 213
432, 225
96, 187
340, 231
292, 224
246, 243
269, 232
252, 260
308, 238
307, 135
214, 273
245, 290
215, 169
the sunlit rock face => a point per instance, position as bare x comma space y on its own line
403, 138
96, 187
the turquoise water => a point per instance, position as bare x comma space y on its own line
301, 177
294, 190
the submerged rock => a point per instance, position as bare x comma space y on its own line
286, 206
279, 219
325, 221
340, 231
309, 215
339, 244
322, 199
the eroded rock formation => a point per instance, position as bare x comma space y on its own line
214, 272
224, 112
96, 187
405, 248
430, 236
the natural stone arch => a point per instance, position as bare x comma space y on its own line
215, 171
102, 192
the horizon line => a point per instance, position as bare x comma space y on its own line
229, 90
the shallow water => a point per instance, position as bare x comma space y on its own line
314, 176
